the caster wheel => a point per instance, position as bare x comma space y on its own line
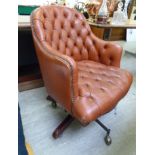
107, 139
54, 105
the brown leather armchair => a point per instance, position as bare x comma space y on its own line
80, 71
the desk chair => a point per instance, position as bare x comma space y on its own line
81, 72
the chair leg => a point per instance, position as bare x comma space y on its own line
107, 138
54, 104
62, 126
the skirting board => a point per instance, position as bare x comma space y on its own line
30, 85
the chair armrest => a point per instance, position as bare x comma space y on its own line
60, 74
109, 53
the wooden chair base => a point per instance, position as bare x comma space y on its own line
62, 126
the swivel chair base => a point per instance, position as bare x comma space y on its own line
62, 126
69, 119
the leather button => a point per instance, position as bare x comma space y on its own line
105, 46
72, 24
65, 14
78, 34
62, 25
88, 33
83, 23
87, 85
44, 15
60, 36
97, 79
55, 15
76, 15
102, 89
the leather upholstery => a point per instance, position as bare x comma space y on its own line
80, 71
100, 88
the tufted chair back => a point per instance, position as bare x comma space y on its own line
67, 32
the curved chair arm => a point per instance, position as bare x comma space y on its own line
59, 72
109, 53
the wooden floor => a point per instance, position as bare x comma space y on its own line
27, 85
29, 149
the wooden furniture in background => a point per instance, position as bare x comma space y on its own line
97, 31
112, 32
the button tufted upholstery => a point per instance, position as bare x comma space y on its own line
80, 71
100, 88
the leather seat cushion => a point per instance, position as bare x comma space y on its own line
100, 88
